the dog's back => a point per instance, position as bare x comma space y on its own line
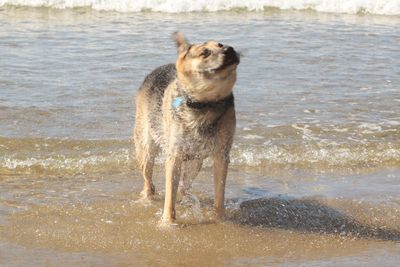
153, 88
157, 81
149, 103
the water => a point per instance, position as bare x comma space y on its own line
318, 104
387, 7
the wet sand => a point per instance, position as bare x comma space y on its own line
88, 222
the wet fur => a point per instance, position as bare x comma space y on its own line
187, 135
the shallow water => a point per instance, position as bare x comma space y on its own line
318, 104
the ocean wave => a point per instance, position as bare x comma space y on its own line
47, 155
381, 7
318, 157
53, 156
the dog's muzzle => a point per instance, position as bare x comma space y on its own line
231, 57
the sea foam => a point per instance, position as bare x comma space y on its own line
382, 7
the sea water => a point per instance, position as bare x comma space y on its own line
318, 110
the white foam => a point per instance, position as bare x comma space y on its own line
382, 7
317, 156
62, 162
252, 136
370, 126
392, 123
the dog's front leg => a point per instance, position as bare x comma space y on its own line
172, 175
221, 162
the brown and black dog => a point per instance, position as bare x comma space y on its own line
187, 110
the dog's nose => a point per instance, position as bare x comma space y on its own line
228, 50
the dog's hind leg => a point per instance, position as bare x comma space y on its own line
190, 169
146, 157
173, 166
221, 162
146, 151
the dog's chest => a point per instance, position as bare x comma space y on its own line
197, 132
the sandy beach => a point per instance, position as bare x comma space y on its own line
315, 165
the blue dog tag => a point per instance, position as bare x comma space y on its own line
177, 102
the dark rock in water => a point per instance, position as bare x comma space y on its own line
306, 215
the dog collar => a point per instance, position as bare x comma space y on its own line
223, 103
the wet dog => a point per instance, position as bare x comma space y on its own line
187, 110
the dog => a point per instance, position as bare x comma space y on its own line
187, 111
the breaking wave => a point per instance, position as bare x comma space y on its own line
52, 156
381, 7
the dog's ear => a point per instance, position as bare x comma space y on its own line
181, 42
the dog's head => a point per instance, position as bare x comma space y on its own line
206, 71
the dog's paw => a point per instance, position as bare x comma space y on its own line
148, 195
144, 202
147, 192
168, 224
147, 199
219, 217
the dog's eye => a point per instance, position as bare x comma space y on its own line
206, 52
220, 45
